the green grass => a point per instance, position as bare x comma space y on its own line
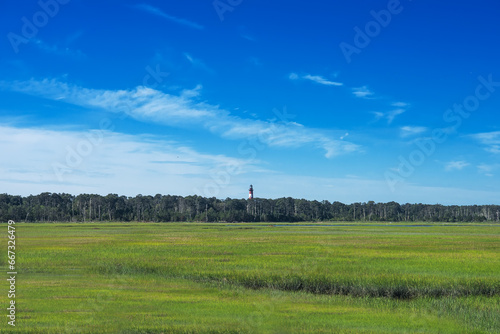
255, 278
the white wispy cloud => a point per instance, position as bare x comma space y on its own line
248, 37
319, 79
73, 37
362, 92
315, 78
58, 50
198, 63
246, 34
399, 108
407, 131
158, 12
456, 165
400, 104
490, 139
487, 169
133, 164
185, 110
389, 115
140, 103
103, 161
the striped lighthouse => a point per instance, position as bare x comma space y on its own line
250, 192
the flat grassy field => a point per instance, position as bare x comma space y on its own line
254, 278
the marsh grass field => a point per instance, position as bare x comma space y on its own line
255, 278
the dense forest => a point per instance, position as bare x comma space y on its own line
52, 207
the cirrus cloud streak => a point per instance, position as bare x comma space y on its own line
185, 110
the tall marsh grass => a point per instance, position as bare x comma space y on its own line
212, 278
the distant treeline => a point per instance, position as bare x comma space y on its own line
52, 207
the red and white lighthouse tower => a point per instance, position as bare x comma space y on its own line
250, 192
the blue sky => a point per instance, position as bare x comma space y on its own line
341, 101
